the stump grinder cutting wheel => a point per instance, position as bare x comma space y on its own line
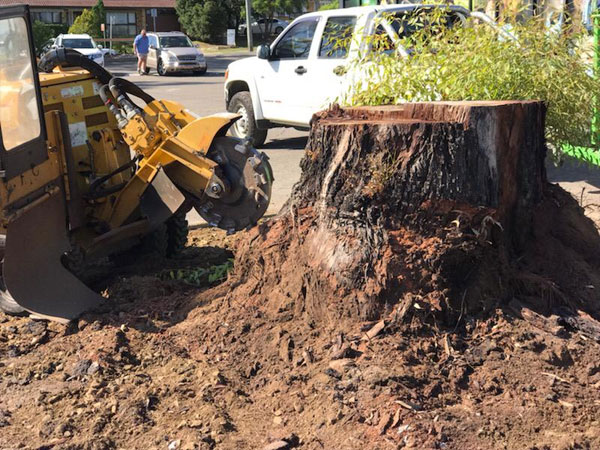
87, 172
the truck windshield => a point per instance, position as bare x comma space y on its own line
78, 43
175, 42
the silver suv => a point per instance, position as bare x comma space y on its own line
174, 52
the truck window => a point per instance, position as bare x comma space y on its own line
19, 113
295, 44
382, 43
406, 23
337, 37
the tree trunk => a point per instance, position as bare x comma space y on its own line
430, 204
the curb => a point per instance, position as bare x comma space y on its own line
120, 58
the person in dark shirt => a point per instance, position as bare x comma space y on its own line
140, 48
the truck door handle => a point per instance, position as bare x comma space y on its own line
300, 70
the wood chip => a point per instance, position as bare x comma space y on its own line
377, 328
447, 347
556, 377
396, 419
384, 423
409, 405
566, 404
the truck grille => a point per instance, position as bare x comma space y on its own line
187, 58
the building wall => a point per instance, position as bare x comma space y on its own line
128, 21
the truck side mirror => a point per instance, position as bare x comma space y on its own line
263, 51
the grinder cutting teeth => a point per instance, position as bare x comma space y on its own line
68, 182
249, 178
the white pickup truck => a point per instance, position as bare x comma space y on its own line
304, 70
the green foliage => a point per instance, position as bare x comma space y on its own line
123, 47
479, 62
235, 10
200, 276
205, 20
268, 8
99, 17
85, 24
43, 32
331, 5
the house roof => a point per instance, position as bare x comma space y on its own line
90, 3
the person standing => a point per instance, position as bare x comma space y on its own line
141, 46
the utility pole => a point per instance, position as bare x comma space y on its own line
248, 24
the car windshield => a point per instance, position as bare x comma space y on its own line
175, 41
78, 43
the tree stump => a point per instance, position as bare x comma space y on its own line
431, 205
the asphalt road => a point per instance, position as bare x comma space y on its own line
285, 146
204, 95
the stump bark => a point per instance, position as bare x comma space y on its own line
428, 204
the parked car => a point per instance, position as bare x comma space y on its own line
305, 68
174, 52
259, 26
109, 51
83, 43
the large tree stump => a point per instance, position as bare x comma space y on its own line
430, 203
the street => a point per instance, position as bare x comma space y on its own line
284, 146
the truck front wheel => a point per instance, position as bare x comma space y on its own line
245, 126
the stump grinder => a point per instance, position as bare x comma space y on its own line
91, 166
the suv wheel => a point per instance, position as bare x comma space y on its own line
160, 68
245, 126
278, 30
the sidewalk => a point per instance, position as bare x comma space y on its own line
582, 182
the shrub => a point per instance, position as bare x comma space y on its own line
41, 34
89, 21
477, 62
205, 20
123, 47
331, 5
85, 24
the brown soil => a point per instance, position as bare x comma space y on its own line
427, 330
173, 366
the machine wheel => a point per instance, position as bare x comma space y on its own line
7, 302
199, 72
245, 126
160, 68
156, 243
177, 234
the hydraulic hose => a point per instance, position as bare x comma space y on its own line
119, 86
95, 191
64, 56
109, 101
